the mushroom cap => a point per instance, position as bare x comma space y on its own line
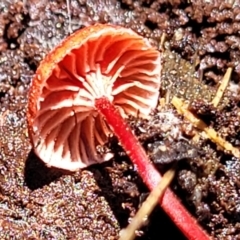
101, 60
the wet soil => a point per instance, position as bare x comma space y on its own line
202, 41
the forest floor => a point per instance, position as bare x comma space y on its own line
201, 42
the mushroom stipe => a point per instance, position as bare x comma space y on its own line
82, 92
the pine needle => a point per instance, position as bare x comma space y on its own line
222, 87
147, 207
69, 16
210, 132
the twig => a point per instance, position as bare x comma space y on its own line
162, 41
69, 16
147, 207
211, 133
222, 87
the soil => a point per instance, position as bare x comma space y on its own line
202, 41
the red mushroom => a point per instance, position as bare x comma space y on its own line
82, 91
95, 62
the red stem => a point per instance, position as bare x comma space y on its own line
151, 177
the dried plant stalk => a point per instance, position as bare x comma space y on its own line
211, 133
147, 207
68, 3
222, 87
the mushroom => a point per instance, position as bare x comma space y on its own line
96, 65
81, 93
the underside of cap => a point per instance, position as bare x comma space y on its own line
101, 60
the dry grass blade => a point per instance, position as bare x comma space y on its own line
211, 133
69, 16
162, 41
222, 87
147, 206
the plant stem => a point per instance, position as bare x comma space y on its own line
149, 174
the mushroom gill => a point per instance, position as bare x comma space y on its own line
107, 61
